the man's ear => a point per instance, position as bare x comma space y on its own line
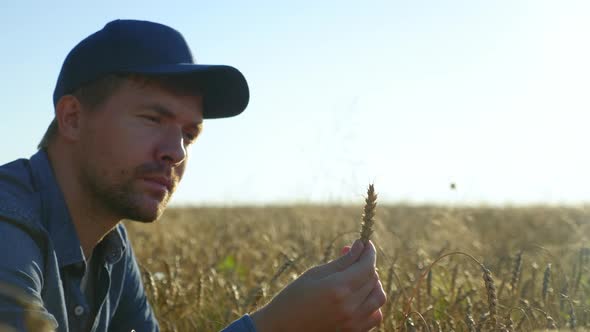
68, 115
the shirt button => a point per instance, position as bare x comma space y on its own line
78, 310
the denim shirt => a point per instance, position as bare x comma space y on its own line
42, 262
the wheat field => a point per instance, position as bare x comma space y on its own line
203, 267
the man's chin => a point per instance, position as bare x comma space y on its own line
152, 209
146, 218
147, 211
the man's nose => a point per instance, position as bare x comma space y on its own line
171, 148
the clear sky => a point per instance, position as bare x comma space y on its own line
411, 95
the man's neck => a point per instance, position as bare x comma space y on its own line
91, 222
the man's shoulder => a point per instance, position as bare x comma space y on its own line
16, 179
20, 229
18, 195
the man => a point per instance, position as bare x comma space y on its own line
129, 102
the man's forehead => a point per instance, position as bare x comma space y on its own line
196, 114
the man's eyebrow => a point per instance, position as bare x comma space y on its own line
165, 112
161, 110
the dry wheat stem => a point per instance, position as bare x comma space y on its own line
522, 319
421, 318
423, 275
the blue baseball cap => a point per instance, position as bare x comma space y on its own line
148, 48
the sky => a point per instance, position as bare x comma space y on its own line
410, 95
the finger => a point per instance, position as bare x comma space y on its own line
366, 324
375, 300
342, 262
358, 273
344, 250
359, 296
372, 321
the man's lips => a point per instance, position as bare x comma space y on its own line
160, 180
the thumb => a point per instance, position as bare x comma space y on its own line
349, 256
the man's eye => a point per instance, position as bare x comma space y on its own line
151, 118
190, 137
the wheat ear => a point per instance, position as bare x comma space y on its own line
491, 290
516, 272
546, 281
369, 214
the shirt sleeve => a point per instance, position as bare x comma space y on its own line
244, 324
134, 311
21, 280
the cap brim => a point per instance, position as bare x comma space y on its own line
225, 90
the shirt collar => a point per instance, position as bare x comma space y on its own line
113, 246
57, 220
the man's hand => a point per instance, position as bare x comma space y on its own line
344, 294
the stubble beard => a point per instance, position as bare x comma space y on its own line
121, 198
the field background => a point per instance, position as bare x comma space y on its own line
204, 267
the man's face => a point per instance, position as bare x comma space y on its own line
133, 149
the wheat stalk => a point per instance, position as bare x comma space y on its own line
369, 214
